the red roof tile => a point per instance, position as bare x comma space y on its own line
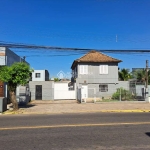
95, 57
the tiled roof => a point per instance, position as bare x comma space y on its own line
95, 57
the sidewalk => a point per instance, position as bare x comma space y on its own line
71, 106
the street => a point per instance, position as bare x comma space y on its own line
112, 131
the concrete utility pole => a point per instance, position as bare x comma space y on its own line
146, 83
146, 73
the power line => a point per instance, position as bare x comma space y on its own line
27, 46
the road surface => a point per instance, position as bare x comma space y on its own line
95, 131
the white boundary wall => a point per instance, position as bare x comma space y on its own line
61, 91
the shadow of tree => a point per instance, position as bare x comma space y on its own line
24, 106
148, 134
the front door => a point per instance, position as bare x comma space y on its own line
84, 93
1, 89
38, 92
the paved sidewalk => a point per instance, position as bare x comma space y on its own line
52, 107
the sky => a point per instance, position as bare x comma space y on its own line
92, 24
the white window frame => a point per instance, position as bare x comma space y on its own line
83, 69
103, 69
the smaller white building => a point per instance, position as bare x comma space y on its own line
40, 75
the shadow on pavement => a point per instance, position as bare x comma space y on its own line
148, 134
24, 106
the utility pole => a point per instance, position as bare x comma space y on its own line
146, 84
146, 74
120, 95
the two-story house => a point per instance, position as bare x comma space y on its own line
95, 74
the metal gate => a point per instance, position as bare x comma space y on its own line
38, 92
62, 91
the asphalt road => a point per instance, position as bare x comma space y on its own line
99, 131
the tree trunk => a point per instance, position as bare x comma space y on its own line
13, 100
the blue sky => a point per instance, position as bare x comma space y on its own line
90, 24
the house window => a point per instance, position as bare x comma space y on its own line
83, 69
103, 88
37, 75
103, 69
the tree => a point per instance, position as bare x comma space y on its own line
124, 75
17, 74
140, 75
56, 79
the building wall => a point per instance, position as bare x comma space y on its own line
123, 84
2, 56
8, 57
94, 76
44, 75
94, 91
11, 57
47, 75
47, 89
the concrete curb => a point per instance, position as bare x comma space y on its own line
87, 111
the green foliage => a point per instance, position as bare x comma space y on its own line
140, 75
17, 74
116, 95
124, 75
56, 79
125, 94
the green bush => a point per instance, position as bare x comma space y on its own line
125, 94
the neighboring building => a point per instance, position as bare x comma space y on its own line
42, 90
95, 75
7, 58
40, 75
40, 86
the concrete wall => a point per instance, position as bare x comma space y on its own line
94, 76
123, 84
47, 89
61, 91
44, 75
